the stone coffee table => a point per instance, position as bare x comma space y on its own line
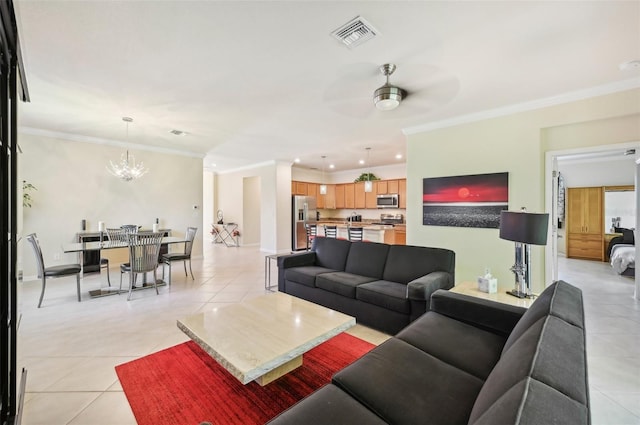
265, 337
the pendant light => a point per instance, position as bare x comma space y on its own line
323, 186
127, 169
368, 185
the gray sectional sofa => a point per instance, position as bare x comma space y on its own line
383, 286
467, 361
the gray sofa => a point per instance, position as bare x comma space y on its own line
383, 286
467, 361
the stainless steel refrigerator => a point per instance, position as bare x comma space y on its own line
303, 211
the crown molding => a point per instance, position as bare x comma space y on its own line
98, 141
616, 87
247, 167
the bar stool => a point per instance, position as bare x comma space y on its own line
355, 234
330, 231
312, 232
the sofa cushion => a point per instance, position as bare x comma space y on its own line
466, 347
390, 295
341, 283
406, 263
328, 405
560, 299
404, 385
552, 352
532, 402
331, 253
367, 259
305, 275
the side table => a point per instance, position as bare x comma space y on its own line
224, 234
471, 288
267, 270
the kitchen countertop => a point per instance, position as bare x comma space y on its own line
365, 225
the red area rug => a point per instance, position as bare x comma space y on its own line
183, 385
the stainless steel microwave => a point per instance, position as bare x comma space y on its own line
387, 201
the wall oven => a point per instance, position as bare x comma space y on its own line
387, 201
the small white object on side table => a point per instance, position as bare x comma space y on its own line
471, 288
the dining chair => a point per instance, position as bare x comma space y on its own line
52, 271
120, 236
330, 231
185, 256
104, 262
312, 232
355, 234
143, 257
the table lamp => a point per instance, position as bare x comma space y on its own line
525, 229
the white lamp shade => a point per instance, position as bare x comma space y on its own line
323, 189
368, 186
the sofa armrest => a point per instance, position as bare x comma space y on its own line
307, 258
489, 315
301, 259
421, 289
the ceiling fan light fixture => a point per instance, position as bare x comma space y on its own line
388, 97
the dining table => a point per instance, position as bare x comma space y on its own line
81, 247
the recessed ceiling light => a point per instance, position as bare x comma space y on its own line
399, 156
332, 166
361, 162
178, 132
297, 160
629, 65
213, 164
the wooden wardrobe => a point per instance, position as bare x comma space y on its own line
585, 227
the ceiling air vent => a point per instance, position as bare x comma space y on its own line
355, 32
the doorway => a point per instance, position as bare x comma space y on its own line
608, 165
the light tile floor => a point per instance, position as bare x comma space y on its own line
70, 349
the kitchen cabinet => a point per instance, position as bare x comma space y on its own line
585, 223
359, 195
402, 193
400, 235
330, 197
371, 200
387, 187
350, 195
299, 188
393, 186
319, 198
340, 191
313, 189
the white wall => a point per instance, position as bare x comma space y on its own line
274, 202
251, 216
208, 204
73, 184
515, 144
619, 172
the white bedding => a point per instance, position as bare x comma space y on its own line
622, 257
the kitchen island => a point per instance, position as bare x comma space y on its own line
382, 233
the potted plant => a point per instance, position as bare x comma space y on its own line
365, 177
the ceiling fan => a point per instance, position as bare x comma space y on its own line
388, 96
421, 88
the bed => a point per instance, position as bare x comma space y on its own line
623, 259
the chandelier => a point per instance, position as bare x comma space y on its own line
127, 169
